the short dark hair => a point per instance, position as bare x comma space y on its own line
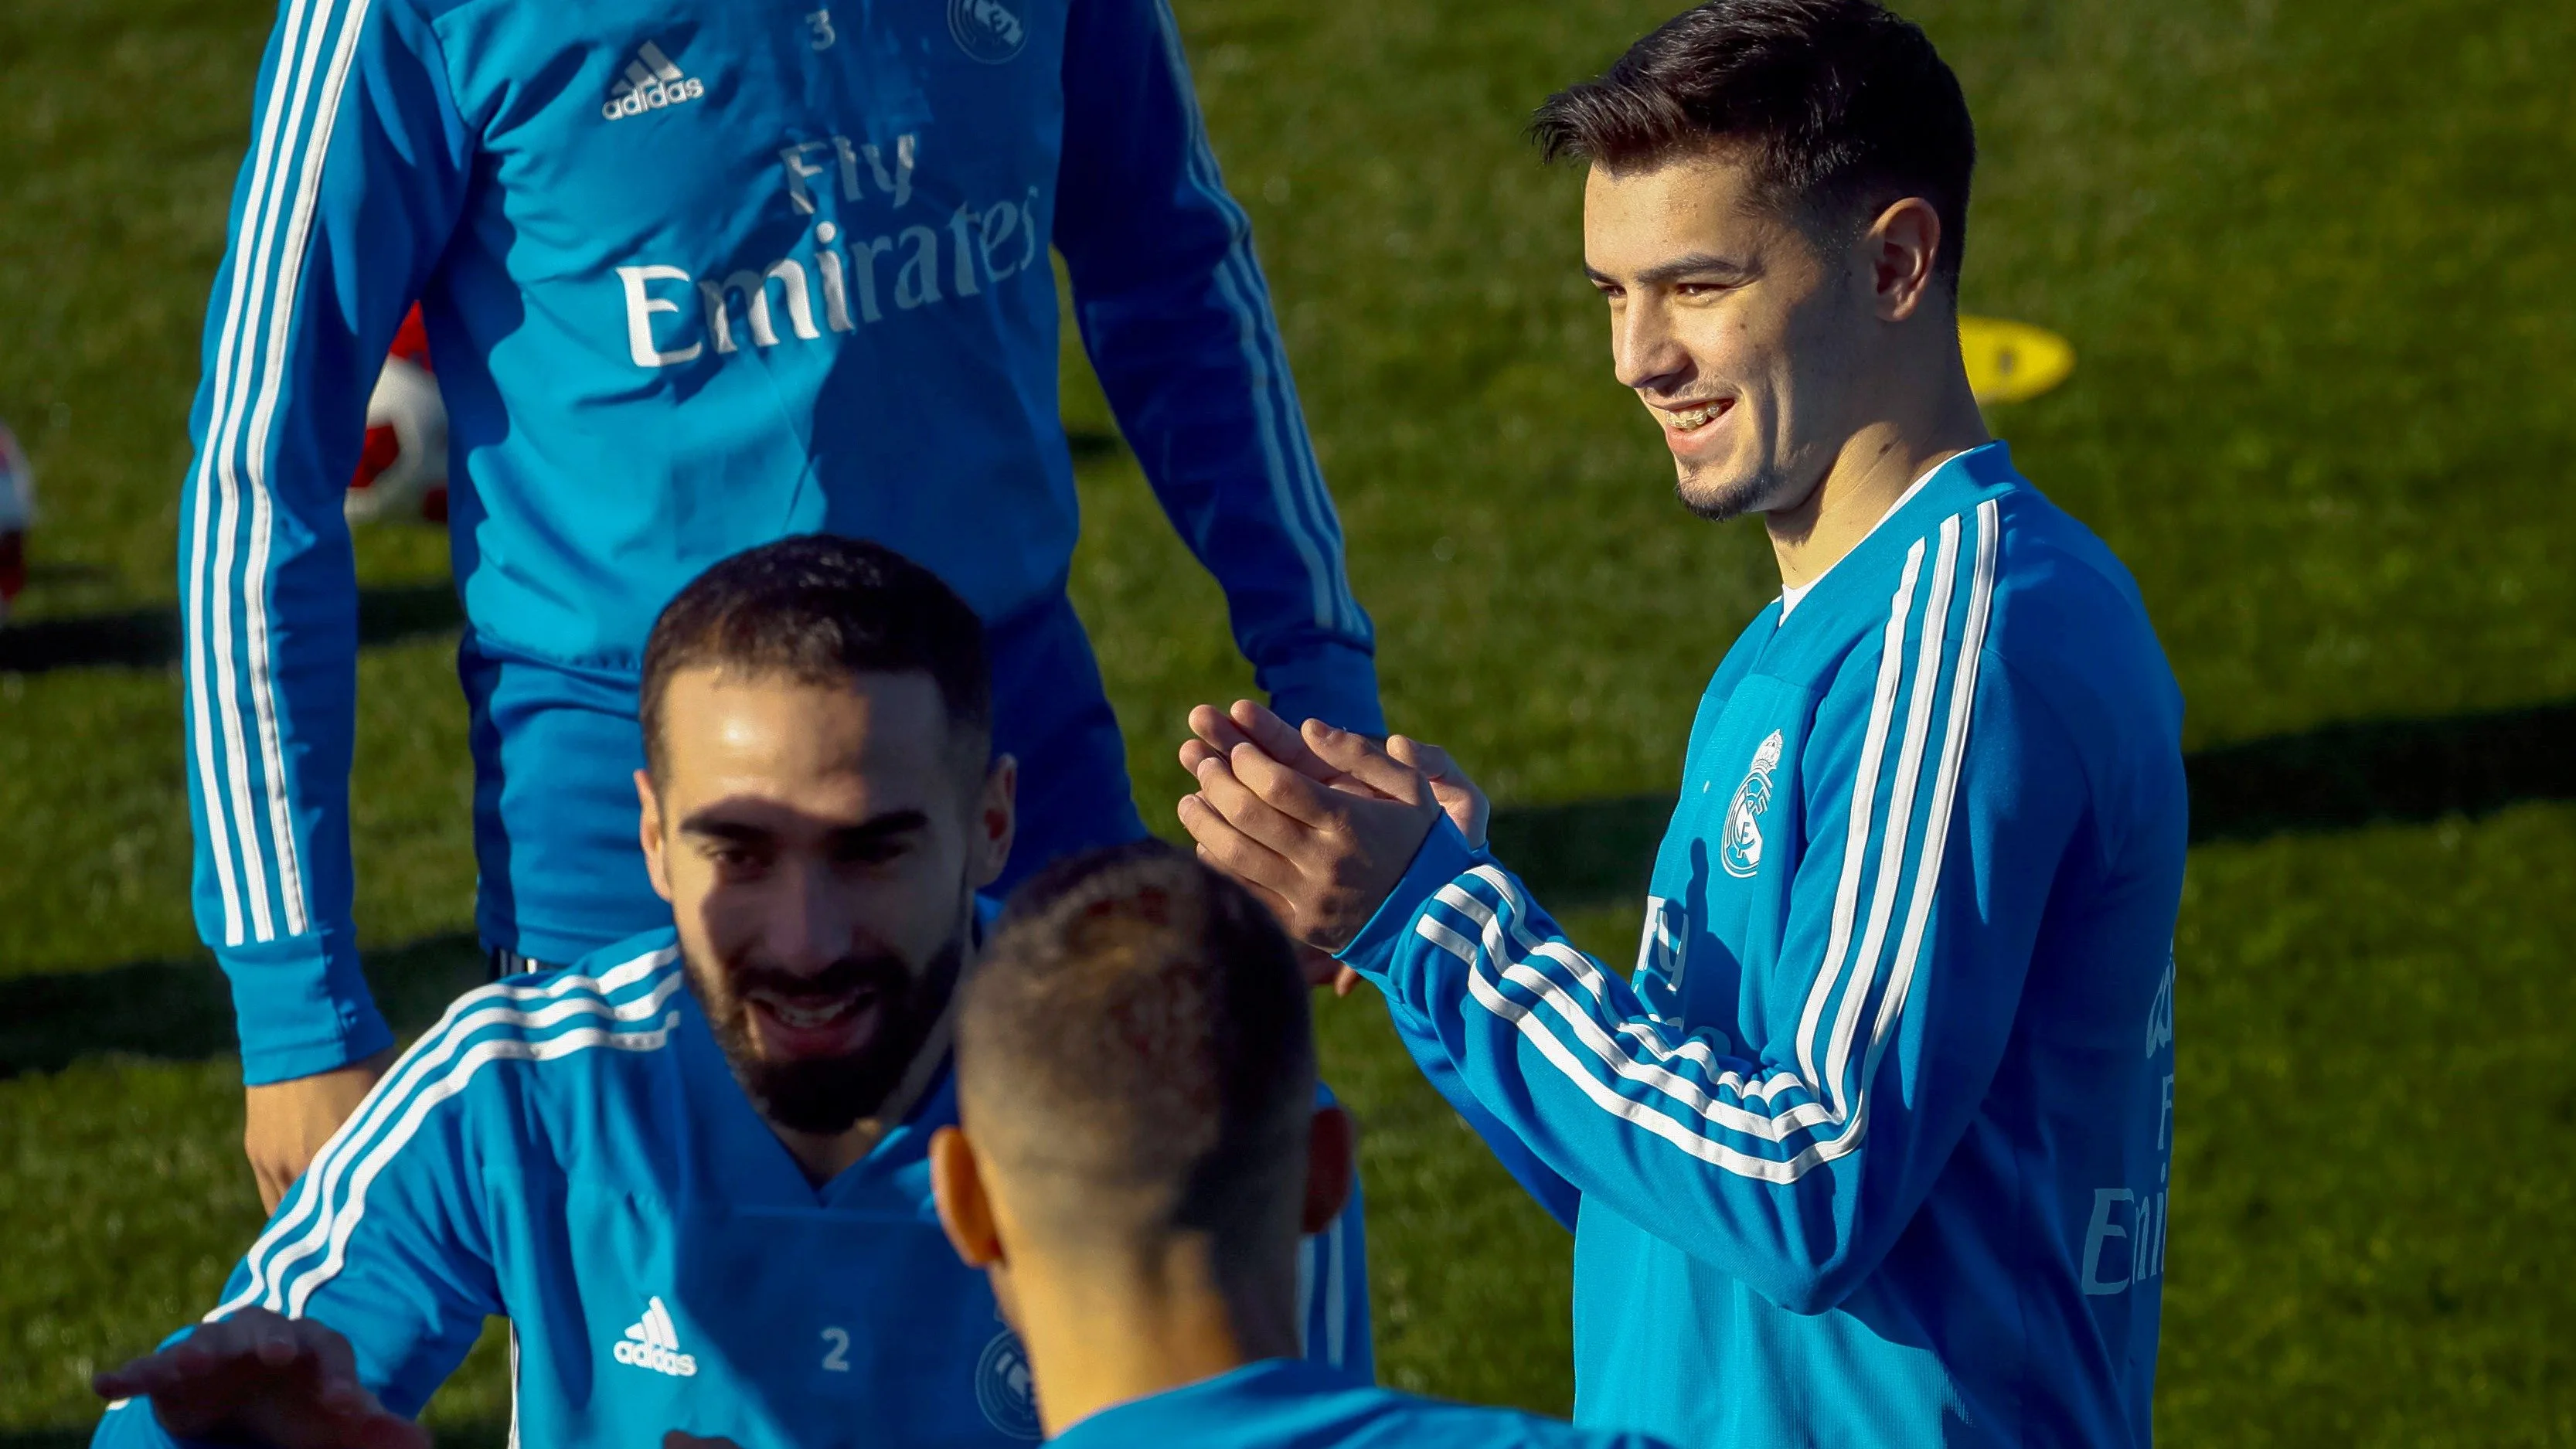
1844, 106
820, 609
1135, 1043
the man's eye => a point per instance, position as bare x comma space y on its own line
871, 852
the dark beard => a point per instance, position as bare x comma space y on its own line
825, 1096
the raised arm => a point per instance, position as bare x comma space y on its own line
349, 193
1794, 1156
384, 1244
1177, 319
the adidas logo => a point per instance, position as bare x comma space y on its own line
650, 83
651, 1342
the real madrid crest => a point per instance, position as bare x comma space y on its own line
988, 30
1741, 852
1005, 1389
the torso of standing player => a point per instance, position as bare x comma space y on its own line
1718, 903
856, 161
728, 270
694, 1280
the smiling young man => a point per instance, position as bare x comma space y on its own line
1873, 1148
690, 1169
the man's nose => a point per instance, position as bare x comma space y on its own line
1645, 352
810, 928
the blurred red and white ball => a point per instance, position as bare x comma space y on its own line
17, 513
402, 474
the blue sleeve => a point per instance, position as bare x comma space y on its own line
1791, 1159
1177, 319
384, 1238
1538, 1179
352, 186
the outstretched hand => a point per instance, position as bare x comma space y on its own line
1320, 822
285, 1383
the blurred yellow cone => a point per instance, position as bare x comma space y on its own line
2012, 361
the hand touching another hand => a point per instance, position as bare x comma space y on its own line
1218, 733
1320, 823
257, 1378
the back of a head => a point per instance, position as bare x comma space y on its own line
821, 609
1843, 107
1135, 1058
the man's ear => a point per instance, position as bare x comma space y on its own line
957, 1186
648, 828
1332, 1161
1901, 249
997, 820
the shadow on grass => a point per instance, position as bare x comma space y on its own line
149, 638
2340, 777
182, 1010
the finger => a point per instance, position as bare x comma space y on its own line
1346, 983
142, 1378
1230, 850
212, 1343
126, 1381
1214, 727
1367, 761
1280, 740
1221, 787
1290, 792
1430, 759
274, 1343
1195, 752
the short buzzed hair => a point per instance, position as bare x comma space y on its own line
1843, 107
819, 610
1135, 1049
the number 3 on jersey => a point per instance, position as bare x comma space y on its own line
820, 22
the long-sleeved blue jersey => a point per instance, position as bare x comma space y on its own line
1874, 1149
1289, 1404
569, 1150
697, 277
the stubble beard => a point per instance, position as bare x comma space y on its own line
826, 1096
1730, 500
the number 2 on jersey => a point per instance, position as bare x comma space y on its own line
837, 1358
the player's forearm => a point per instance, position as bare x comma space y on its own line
1734, 1160
270, 675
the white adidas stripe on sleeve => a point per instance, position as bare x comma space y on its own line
1829, 1108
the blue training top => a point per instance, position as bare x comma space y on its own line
1286, 1404
1873, 1150
697, 277
570, 1150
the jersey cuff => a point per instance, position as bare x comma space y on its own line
1333, 682
1443, 857
303, 1007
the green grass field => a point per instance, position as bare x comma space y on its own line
2308, 254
